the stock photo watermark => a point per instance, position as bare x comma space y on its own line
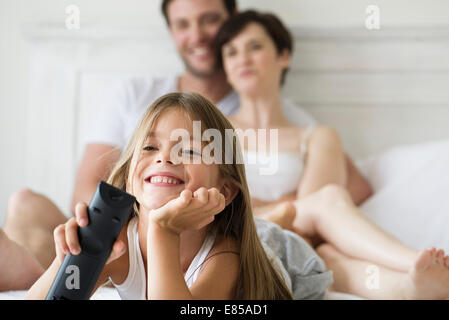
72, 282
213, 152
372, 21
373, 279
72, 21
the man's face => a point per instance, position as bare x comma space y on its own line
193, 25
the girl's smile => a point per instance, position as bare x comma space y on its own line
164, 179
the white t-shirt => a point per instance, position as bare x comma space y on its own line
124, 105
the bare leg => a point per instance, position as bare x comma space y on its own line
19, 269
359, 277
30, 221
428, 278
331, 214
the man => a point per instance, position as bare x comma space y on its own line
31, 217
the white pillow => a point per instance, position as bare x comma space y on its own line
396, 163
411, 199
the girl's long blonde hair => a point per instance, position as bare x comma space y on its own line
257, 277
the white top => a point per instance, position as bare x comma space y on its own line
126, 102
118, 115
135, 285
288, 168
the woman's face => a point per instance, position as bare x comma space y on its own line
251, 61
157, 179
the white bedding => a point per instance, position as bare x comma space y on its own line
106, 293
411, 201
103, 293
411, 198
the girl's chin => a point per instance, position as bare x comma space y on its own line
155, 202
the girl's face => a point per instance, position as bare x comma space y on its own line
157, 179
251, 61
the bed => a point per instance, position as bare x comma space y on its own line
411, 187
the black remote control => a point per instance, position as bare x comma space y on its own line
108, 212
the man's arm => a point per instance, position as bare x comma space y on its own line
97, 163
357, 185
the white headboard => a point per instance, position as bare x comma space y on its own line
377, 88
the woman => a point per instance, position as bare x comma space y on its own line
257, 75
308, 194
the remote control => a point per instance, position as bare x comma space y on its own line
108, 212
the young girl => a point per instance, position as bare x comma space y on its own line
193, 235
308, 193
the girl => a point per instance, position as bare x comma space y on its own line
308, 193
193, 235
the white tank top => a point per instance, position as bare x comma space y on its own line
286, 178
135, 285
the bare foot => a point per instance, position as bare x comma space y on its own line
324, 200
19, 269
429, 277
282, 214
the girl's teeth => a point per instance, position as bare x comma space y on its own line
163, 180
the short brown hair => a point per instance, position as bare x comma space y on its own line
273, 26
230, 6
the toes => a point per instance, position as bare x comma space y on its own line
440, 256
446, 261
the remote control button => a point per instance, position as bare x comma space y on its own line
116, 220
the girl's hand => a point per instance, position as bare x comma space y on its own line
189, 211
66, 236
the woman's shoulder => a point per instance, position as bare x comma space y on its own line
324, 134
291, 138
323, 139
236, 123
